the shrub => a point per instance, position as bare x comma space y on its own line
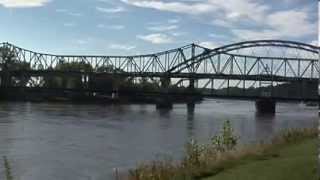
226, 140
7, 168
203, 160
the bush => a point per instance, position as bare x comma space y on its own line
226, 140
7, 168
199, 159
193, 153
203, 160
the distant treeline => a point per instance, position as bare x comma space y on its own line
306, 89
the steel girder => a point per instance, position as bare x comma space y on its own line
190, 59
243, 45
157, 62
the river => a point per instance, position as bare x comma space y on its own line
85, 142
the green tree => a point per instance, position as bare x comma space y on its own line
107, 79
9, 62
71, 80
226, 140
148, 86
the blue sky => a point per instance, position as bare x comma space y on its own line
123, 27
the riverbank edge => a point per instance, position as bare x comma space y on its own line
69, 97
212, 163
294, 161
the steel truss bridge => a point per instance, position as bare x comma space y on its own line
230, 71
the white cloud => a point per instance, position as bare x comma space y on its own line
291, 23
230, 9
104, 1
111, 10
241, 9
156, 38
82, 42
315, 42
116, 27
74, 14
177, 34
122, 47
178, 7
226, 13
69, 24
23, 3
61, 10
223, 23
246, 19
173, 21
282, 24
113, 27
209, 44
101, 26
218, 36
163, 28
251, 34
68, 12
169, 25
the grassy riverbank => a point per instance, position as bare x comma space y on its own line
294, 161
290, 155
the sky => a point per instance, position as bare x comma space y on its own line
128, 27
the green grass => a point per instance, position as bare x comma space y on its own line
290, 155
296, 161
7, 168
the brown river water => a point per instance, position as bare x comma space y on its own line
86, 142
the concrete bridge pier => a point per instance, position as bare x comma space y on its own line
190, 107
115, 93
165, 102
265, 106
5, 79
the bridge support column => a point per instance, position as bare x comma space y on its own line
5, 79
165, 101
191, 106
165, 83
266, 106
191, 84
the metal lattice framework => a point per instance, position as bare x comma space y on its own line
158, 62
213, 57
293, 61
189, 59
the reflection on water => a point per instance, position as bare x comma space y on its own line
65, 141
190, 121
264, 124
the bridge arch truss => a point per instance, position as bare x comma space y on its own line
211, 69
